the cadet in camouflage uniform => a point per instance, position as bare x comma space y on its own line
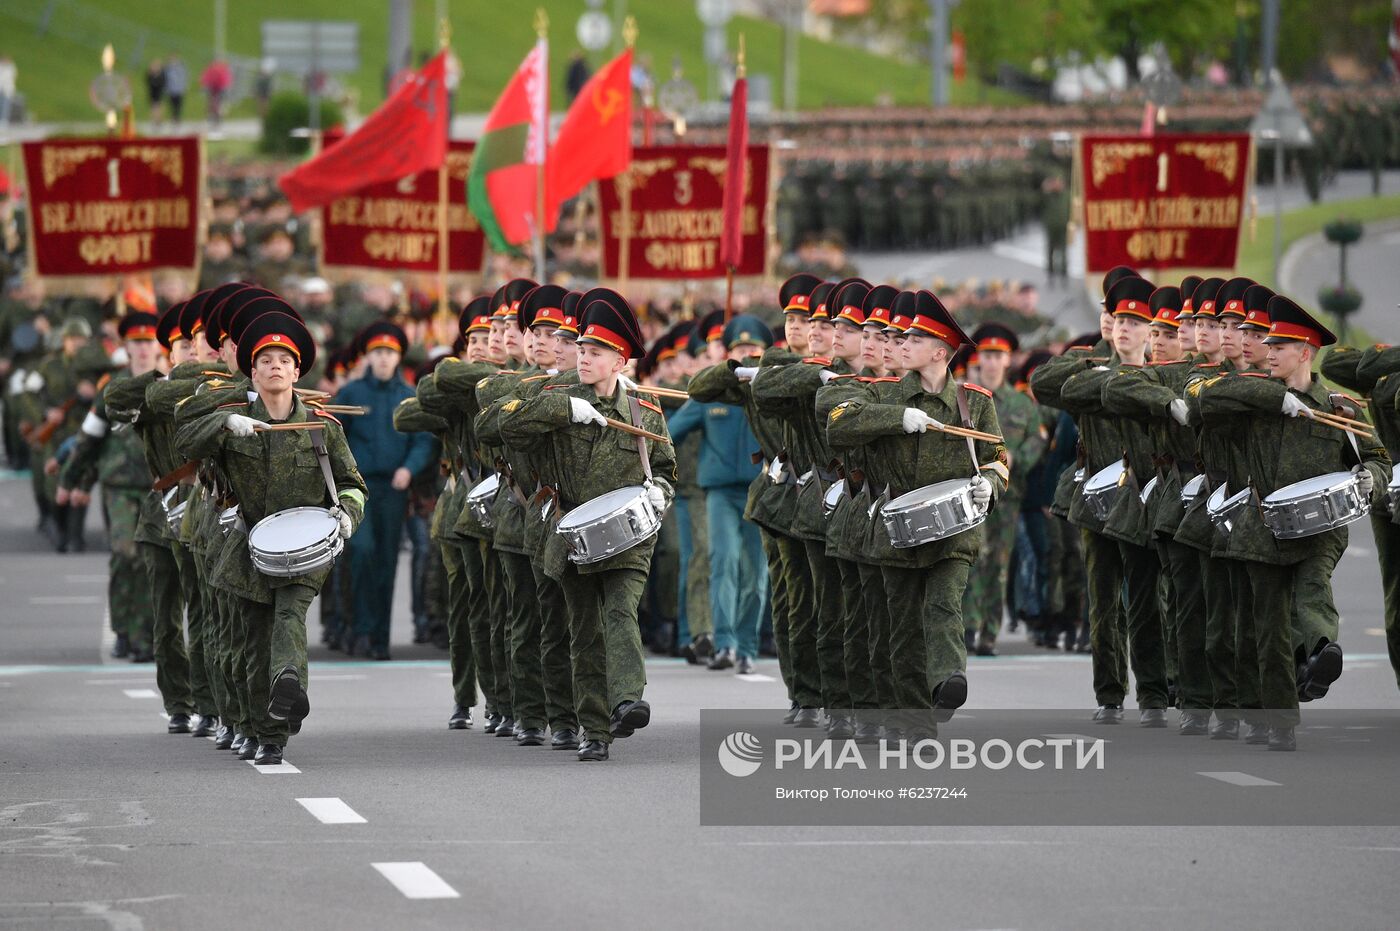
985, 600
900, 421
1372, 373
566, 422
1286, 445
691, 518
272, 351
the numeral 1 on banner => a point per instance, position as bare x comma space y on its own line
1162, 172
114, 188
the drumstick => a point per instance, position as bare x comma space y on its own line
637, 431
964, 431
311, 393
308, 425
1364, 434
352, 409
1342, 418
662, 392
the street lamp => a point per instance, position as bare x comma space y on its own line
1280, 123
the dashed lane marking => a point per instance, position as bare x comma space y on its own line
140, 693
755, 677
416, 881
1240, 779
331, 811
281, 769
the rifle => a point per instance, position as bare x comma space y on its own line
39, 436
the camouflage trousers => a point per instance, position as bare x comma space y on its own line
1387, 536
856, 639
130, 606
772, 553
168, 638
926, 629
1269, 594
801, 627
693, 592
556, 666
984, 601
877, 614
605, 644
1146, 646
1108, 625
830, 632
1185, 613
459, 636
522, 633
490, 645
206, 682
275, 640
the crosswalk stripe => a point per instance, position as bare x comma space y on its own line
331, 811
755, 677
416, 881
280, 769
1240, 779
140, 693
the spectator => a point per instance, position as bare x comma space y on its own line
177, 84
155, 90
577, 75
216, 81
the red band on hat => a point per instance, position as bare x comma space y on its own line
552, 316
1232, 308
383, 341
279, 341
570, 325
1296, 331
853, 314
1186, 308
878, 315
716, 332
482, 322
665, 354
140, 332
196, 328
602, 334
820, 312
1207, 309
1167, 317
1133, 308
1259, 318
798, 302
994, 344
934, 328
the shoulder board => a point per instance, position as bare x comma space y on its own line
817, 360
328, 416
650, 406
882, 379
449, 359
1206, 365
1381, 346
970, 385
102, 382
1173, 362
560, 385
1335, 395
1253, 374
537, 377
234, 404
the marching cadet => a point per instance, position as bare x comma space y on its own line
474, 584
727, 473
388, 460
692, 530
272, 472
569, 423
926, 643
790, 392
1100, 445
1370, 372
674, 565
771, 495
62, 388
1152, 394
1280, 452
985, 601
143, 589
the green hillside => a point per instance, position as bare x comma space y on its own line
489, 36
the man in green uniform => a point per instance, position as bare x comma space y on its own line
568, 422
1286, 444
272, 472
985, 601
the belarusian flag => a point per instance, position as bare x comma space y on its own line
502, 188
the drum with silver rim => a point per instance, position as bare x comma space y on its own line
174, 512
833, 497
1101, 489
1315, 505
480, 497
933, 512
1148, 489
228, 519
1080, 474
1192, 489
1222, 507
1392, 492
609, 524
295, 542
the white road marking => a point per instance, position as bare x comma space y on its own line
1240, 779
280, 769
1358, 551
331, 811
140, 693
755, 677
1004, 667
416, 881
1084, 737
127, 681
65, 600
1376, 631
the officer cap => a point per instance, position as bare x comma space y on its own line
1188, 288
1130, 297
1229, 300
251, 309
168, 329
215, 327
747, 330
476, 315
931, 318
276, 330
138, 325
795, 294
506, 301
878, 303
846, 302
710, 328
1289, 322
1203, 299
571, 313
995, 337
1166, 306
818, 298
1256, 308
1115, 275
542, 306
383, 334
609, 321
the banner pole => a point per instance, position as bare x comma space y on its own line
542, 32
444, 41
624, 240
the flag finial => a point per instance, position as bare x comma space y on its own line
444, 33
739, 70
629, 30
541, 22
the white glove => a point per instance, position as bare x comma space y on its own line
346, 529
657, 498
239, 425
1292, 407
981, 492
916, 421
580, 411
826, 375
626, 382
1099, 368
746, 372
1366, 482
1178, 411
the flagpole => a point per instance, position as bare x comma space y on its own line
739, 73
624, 242
444, 40
542, 33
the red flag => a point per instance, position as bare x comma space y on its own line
595, 140
406, 135
731, 243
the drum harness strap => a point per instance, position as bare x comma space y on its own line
966, 416
634, 408
318, 445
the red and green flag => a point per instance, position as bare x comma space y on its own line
503, 182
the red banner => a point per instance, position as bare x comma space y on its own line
1167, 201
394, 224
113, 206
677, 213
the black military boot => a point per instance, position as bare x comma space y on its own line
593, 751
179, 724
286, 689
506, 728
630, 716
461, 719
493, 722
948, 696
250, 748
122, 648
205, 725
1226, 729
1317, 675
1152, 717
566, 738
791, 712
1281, 738
807, 717
1109, 714
224, 738
1257, 733
268, 755
1194, 723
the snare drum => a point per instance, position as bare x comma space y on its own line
480, 497
1102, 488
1192, 489
1315, 505
833, 497
1148, 489
228, 519
1392, 492
295, 542
609, 524
933, 512
1222, 509
174, 513
1080, 474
